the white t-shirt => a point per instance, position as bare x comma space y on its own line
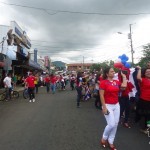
7, 82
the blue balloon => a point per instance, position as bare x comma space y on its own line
127, 65
123, 58
123, 61
120, 57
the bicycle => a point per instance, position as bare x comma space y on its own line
14, 94
25, 93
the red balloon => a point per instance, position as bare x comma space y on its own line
118, 65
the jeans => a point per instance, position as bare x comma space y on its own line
31, 92
98, 101
36, 88
53, 88
8, 93
144, 111
112, 122
63, 85
79, 95
125, 107
72, 85
47, 87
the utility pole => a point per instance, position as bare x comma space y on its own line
131, 44
3, 44
83, 64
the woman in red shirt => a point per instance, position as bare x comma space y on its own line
109, 92
47, 83
144, 95
125, 104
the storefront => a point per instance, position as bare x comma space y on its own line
34, 66
2, 72
23, 44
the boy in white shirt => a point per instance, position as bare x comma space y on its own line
7, 84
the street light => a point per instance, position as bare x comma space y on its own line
83, 64
130, 37
131, 42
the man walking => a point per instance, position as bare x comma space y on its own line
7, 84
29, 82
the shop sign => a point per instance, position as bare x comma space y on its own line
46, 61
24, 52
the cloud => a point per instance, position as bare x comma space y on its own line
72, 35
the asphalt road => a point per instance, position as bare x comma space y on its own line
54, 123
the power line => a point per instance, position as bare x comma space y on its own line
46, 46
76, 12
45, 10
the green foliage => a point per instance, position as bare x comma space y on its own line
146, 56
102, 65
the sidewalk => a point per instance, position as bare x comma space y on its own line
18, 88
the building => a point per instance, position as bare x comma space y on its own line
15, 52
79, 66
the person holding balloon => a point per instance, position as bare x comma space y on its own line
109, 91
125, 103
122, 62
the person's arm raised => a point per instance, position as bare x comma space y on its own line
124, 81
139, 73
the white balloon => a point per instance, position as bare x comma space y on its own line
118, 60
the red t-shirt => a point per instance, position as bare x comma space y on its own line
145, 89
47, 79
30, 81
127, 90
111, 90
100, 78
53, 80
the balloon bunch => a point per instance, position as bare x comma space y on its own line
122, 62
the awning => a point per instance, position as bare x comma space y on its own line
34, 65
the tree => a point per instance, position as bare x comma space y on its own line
102, 65
146, 56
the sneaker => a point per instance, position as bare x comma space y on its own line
30, 101
33, 100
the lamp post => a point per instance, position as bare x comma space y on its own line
130, 37
83, 64
131, 42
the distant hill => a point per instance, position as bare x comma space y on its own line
59, 64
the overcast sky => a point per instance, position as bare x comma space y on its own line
62, 35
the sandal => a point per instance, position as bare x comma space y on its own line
127, 125
103, 143
112, 147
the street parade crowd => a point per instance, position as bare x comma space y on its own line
116, 94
